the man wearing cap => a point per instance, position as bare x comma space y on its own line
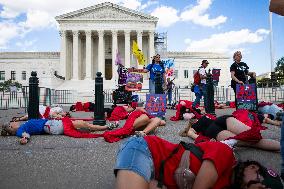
202, 86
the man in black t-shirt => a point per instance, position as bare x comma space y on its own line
239, 71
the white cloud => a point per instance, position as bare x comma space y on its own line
148, 4
41, 14
167, 16
226, 42
132, 4
38, 20
197, 15
27, 45
8, 13
8, 32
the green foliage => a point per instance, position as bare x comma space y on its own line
280, 66
280, 69
5, 86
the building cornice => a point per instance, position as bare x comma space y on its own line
29, 55
208, 55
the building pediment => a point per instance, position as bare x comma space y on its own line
105, 11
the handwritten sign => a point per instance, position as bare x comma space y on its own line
156, 104
134, 80
122, 75
246, 97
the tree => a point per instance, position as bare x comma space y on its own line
280, 69
5, 86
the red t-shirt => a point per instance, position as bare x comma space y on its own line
220, 154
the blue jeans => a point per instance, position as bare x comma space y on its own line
201, 92
282, 146
151, 86
134, 155
170, 94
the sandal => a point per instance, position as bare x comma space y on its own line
140, 133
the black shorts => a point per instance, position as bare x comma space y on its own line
217, 126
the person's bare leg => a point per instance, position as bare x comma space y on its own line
223, 135
80, 124
141, 121
272, 122
192, 134
128, 180
265, 144
162, 123
154, 123
235, 126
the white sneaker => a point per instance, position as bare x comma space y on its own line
231, 142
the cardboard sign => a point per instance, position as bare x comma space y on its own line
246, 97
122, 75
156, 104
216, 74
134, 80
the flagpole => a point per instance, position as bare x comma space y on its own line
271, 43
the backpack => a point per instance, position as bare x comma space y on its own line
196, 78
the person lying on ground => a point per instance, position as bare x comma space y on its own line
272, 109
152, 162
138, 122
123, 112
46, 112
55, 127
268, 119
252, 119
79, 106
226, 127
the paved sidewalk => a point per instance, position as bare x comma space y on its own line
64, 162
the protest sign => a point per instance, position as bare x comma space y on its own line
134, 79
156, 104
246, 97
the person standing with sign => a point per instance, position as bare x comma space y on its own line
200, 86
153, 68
239, 71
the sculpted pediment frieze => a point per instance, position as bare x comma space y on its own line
106, 11
105, 14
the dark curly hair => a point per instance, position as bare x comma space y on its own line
238, 173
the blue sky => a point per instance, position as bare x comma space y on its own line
192, 25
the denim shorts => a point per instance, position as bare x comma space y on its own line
134, 155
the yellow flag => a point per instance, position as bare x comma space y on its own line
138, 54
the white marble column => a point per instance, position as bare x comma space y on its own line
139, 43
88, 54
127, 49
63, 53
75, 66
151, 45
101, 53
114, 51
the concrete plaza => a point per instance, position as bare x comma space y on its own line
64, 162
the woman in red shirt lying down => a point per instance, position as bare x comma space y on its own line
152, 162
227, 127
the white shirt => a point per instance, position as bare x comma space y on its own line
203, 73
